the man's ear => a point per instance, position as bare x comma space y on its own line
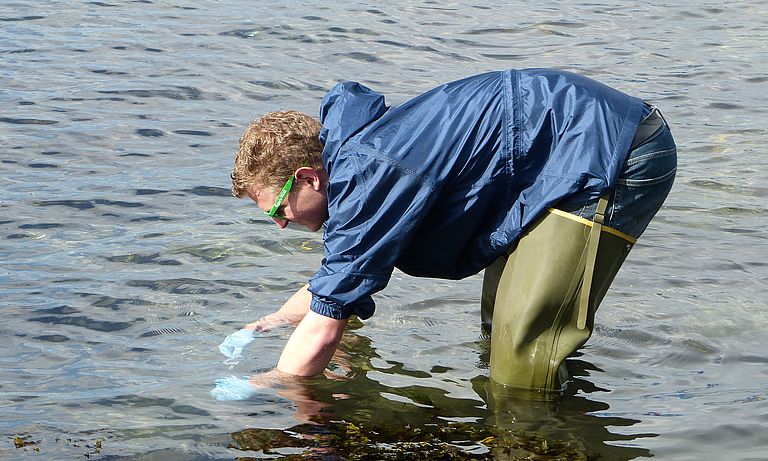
309, 175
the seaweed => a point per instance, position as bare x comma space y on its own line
24, 441
93, 447
345, 440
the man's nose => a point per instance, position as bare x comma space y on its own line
280, 222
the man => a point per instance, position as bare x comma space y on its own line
543, 177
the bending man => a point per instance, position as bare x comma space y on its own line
543, 177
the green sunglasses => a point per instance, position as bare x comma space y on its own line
272, 213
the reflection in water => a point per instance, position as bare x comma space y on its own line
353, 416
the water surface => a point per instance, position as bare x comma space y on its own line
124, 261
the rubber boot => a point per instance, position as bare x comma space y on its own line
491, 280
546, 298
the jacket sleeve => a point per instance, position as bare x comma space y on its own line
374, 207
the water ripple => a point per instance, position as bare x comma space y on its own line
52, 338
22, 18
179, 286
146, 402
27, 121
149, 132
88, 204
494, 31
180, 94
360, 56
209, 191
161, 331
193, 132
144, 259
41, 226
150, 191
85, 322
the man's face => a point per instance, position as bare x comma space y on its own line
306, 203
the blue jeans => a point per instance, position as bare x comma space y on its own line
644, 183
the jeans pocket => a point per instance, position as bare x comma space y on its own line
649, 169
643, 185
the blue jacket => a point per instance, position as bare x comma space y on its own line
442, 185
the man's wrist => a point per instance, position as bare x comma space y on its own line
270, 321
272, 378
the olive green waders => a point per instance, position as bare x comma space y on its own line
545, 294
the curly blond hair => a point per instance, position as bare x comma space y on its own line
273, 147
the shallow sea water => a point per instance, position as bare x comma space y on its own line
124, 261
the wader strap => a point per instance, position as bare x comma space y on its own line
589, 269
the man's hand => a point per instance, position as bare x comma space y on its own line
232, 346
291, 313
234, 388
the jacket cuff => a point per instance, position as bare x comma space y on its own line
328, 309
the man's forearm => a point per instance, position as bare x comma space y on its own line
311, 346
292, 312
